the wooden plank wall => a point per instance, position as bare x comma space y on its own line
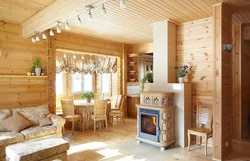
71, 42
222, 138
16, 59
245, 84
195, 48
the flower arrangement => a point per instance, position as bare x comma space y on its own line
182, 71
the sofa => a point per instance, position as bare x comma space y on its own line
34, 115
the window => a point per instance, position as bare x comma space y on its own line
59, 84
81, 82
106, 81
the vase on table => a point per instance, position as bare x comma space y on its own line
180, 79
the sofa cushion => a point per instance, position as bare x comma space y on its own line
4, 114
16, 123
38, 131
11, 137
34, 114
45, 121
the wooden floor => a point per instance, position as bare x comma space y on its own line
90, 146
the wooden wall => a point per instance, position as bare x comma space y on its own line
195, 48
222, 136
245, 84
16, 59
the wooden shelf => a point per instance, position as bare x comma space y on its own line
133, 65
21, 76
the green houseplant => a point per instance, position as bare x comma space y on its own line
88, 96
182, 71
37, 64
147, 78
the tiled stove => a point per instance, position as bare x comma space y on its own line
155, 123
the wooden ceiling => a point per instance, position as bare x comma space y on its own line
132, 24
19, 10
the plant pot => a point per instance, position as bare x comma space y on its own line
185, 79
180, 79
38, 71
88, 100
150, 79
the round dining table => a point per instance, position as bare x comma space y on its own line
85, 109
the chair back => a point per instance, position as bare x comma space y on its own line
100, 107
123, 103
118, 101
67, 106
204, 117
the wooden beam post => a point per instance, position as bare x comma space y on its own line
59, 10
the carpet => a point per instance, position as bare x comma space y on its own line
146, 151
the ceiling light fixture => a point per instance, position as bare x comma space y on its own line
103, 11
79, 21
58, 29
67, 25
82, 57
122, 4
44, 36
51, 32
90, 14
37, 37
64, 55
33, 39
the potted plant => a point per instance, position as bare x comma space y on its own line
182, 71
36, 64
147, 78
88, 96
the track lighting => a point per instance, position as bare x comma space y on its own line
58, 29
51, 32
44, 36
37, 37
33, 39
122, 4
74, 56
90, 14
103, 11
82, 57
64, 55
67, 25
79, 21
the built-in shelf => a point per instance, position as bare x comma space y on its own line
21, 76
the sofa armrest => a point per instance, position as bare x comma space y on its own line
59, 122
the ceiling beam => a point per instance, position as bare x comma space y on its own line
56, 11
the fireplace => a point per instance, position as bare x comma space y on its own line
155, 119
149, 124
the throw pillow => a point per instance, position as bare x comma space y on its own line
16, 123
45, 121
33, 114
4, 114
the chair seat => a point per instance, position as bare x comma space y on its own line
115, 112
72, 117
97, 117
201, 130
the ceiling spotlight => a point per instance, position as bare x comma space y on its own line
51, 32
64, 55
58, 29
82, 57
103, 11
79, 21
33, 39
122, 4
90, 14
74, 56
67, 25
37, 37
44, 36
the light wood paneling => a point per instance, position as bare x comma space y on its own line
194, 48
16, 60
132, 24
222, 138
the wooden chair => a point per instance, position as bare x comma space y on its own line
119, 112
204, 125
100, 111
69, 114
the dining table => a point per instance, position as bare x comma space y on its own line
85, 109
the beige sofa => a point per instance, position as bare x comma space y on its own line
33, 114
